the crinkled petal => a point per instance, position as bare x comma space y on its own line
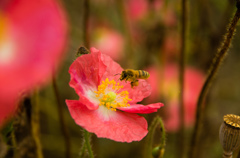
86, 72
105, 123
94, 50
90, 104
138, 93
113, 69
141, 109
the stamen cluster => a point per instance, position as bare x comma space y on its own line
110, 96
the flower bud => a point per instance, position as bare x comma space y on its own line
229, 134
82, 50
158, 152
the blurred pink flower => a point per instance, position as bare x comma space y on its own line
169, 17
170, 45
106, 105
110, 42
153, 81
138, 9
32, 40
168, 88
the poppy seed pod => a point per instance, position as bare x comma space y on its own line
229, 134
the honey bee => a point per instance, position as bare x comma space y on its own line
133, 76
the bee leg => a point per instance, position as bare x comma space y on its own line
134, 83
137, 82
126, 79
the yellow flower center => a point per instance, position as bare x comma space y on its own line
108, 94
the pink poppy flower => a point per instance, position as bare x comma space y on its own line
106, 105
167, 83
110, 42
32, 40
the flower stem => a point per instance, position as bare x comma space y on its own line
127, 32
61, 119
148, 148
221, 53
86, 23
35, 125
14, 143
87, 142
180, 144
82, 149
4, 147
238, 156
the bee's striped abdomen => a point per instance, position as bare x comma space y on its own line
142, 74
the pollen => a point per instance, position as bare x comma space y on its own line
110, 95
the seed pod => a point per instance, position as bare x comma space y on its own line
82, 50
229, 134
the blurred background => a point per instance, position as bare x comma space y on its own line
145, 34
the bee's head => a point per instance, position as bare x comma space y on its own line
123, 75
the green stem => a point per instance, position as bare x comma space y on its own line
238, 156
87, 142
86, 37
14, 143
222, 51
181, 143
82, 149
4, 147
148, 148
61, 119
163, 137
127, 32
35, 125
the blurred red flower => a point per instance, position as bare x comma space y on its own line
106, 105
32, 41
110, 42
166, 87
